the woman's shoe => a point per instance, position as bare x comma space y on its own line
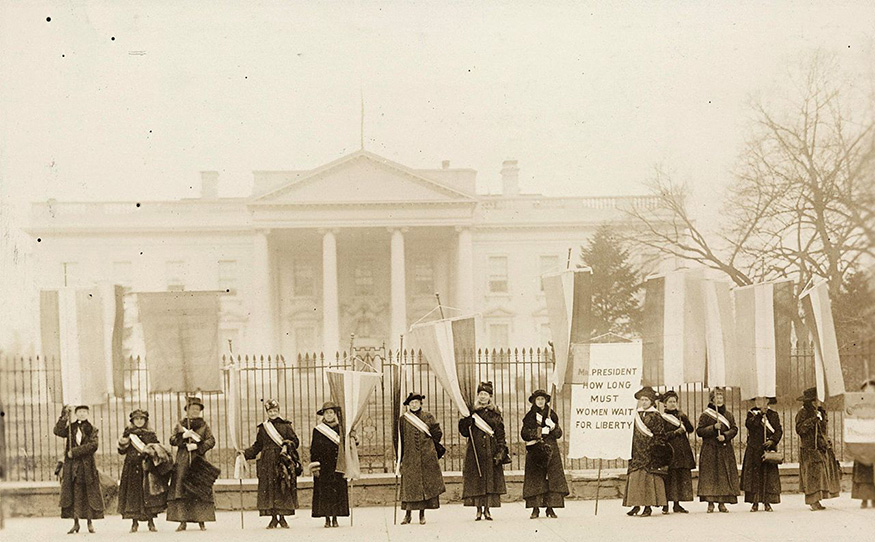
722, 508
634, 511
535, 513
550, 513
767, 507
646, 512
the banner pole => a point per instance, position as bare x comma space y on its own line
598, 483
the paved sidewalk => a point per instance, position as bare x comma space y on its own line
844, 520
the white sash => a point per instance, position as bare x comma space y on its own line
139, 445
640, 425
417, 423
482, 425
717, 416
329, 433
671, 418
273, 433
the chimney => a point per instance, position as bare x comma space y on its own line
209, 184
510, 178
445, 164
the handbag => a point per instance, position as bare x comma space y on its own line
772, 457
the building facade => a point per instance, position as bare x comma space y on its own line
357, 246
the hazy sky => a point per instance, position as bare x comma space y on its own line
587, 96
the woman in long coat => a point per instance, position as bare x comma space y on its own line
544, 483
421, 479
644, 487
819, 475
718, 471
864, 478
81, 494
759, 480
134, 500
679, 480
485, 456
330, 494
193, 438
276, 446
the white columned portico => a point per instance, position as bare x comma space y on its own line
330, 300
398, 325
465, 270
261, 324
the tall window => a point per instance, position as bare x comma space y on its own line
121, 274
498, 274
499, 335
549, 264
227, 275
364, 278
423, 279
174, 274
303, 279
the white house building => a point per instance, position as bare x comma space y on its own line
357, 246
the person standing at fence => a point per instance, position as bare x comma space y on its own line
718, 470
135, 500
679, 480
81, 494
760, 480
645, 485
864, 477
330, 493
819, 474
191, 486
277, 466
544, 483
486, 454
421, 479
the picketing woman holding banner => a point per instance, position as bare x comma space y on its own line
330, 494
421, 479
191, 487
864, 478
679, 480
544, 483
819, 475
138, 499
81, 495
486, 454
277, 466
760, 480
645, 485
718, 471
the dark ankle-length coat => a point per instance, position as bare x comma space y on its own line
486, 486
134, 498
718, 470
421, 479
182, 506
81, 494
544, 483
761, 481
819, 474
275, 468
330, 493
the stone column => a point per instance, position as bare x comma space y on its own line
261, 324
465, 270
398, 296
330, 301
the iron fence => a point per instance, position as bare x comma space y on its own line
30, 410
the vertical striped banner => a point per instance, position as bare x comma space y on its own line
818, 319
569, 308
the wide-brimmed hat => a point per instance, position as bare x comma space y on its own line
868, 382
539, 393
808, 395
646, 391
487, 387
189, 401
328, 405
139, 413
413, 396
271, 403
666, 395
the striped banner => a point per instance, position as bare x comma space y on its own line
446, 345
763, 316
83, 327
351, 390
569, 309
674, 330
818, 319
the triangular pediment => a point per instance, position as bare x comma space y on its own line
362, 177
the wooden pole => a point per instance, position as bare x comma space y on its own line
598, 483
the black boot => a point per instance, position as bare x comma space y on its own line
406, 519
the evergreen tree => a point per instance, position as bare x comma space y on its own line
616, 306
